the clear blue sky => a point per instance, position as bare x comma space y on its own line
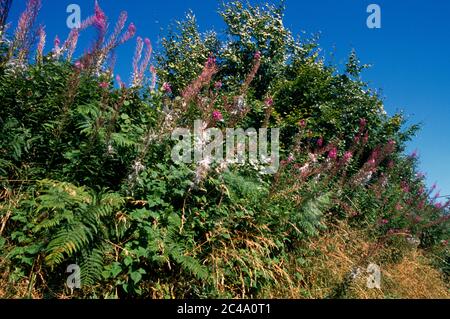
410, 54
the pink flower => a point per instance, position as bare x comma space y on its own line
218, 85
100, 19
384, 222
398, 207
57, 42
167, 88
269, 101
371, 162
302, 123
347, 156
333, 153
257, 55
104, 85
444, 242
78, 65
217, 116
438, 205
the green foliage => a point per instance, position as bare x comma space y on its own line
86, 175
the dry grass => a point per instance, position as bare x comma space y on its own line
342, 250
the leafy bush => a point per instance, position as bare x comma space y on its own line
87, 177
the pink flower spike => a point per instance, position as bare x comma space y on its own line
131, 32
57, 42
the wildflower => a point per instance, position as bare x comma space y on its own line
218, 85
333, 153
217, 116
120, 82
302, 123
269, 101
398, 207
100, 19
257, 55
167, 88
129, 34
444, 243
24, 35
438, 205
103, 85
78, 65
57, 43
41, 44
384, 222
347, 156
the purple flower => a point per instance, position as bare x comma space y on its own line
218, 85
217, 116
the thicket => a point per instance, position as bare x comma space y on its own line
87, 178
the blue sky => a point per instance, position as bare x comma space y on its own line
410, 54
